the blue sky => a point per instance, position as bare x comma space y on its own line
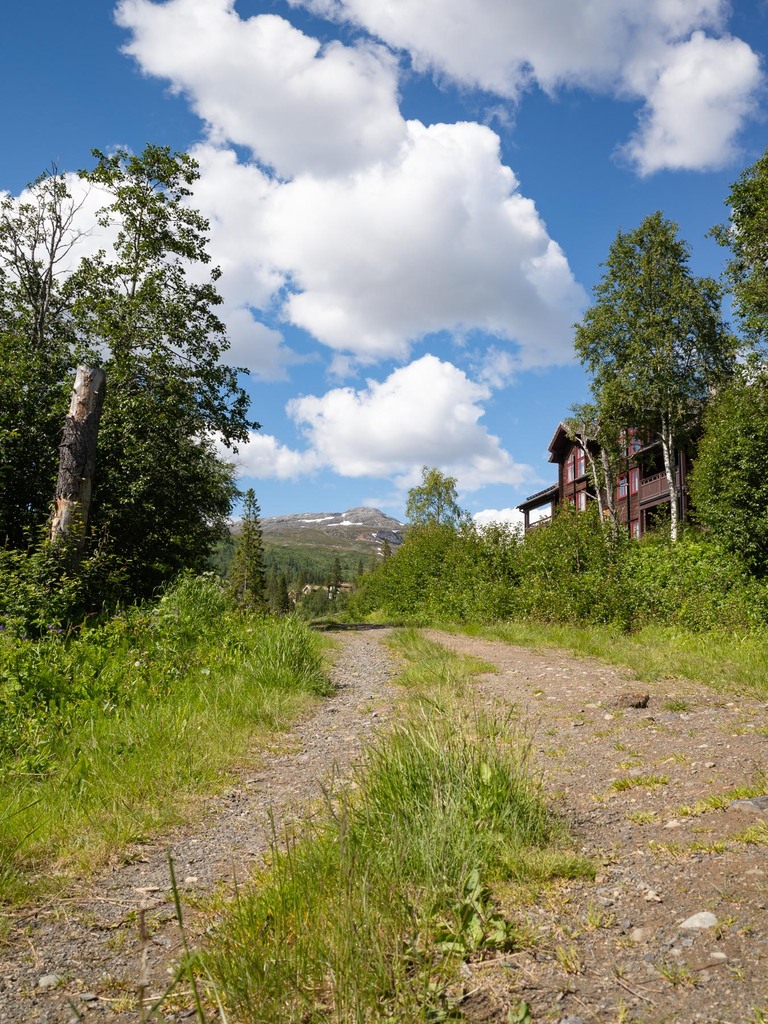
409, 199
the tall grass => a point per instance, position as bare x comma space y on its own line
366, 915
107, 735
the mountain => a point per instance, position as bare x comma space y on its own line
362, 530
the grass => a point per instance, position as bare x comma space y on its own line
139, 719
429, 666
639, 781
367, 914
729, 662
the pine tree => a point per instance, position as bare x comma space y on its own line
247, 579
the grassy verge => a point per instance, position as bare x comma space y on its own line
109, 735
724, 661
368, 913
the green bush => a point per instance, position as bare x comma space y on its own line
104, 728
570, 571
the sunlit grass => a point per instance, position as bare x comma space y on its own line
367, 914
120, 760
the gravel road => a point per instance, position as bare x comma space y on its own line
621, 948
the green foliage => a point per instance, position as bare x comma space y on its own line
247, 578
570, 571
146, 311
654, 340
367, 916
434, 501
40, 593
35, 361
729, 484
104, 730
746, 235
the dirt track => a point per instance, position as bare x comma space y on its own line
610, 950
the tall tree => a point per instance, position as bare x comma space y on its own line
247, 576
37, 234
144, 308
746, 235
335, 579
655, 342
729, 485
434, 501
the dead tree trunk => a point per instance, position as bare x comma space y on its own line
77, 460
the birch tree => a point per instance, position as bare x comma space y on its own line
599, 442
655, 342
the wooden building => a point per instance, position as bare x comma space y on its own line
641, 491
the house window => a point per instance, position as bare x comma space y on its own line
634, 528
581, 501
631, 441
634, 480
570, 468
622, 488
581, 464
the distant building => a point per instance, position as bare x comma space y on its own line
641, 490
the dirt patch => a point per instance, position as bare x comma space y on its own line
615, 949
618, 949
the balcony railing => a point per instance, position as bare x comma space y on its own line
652, 488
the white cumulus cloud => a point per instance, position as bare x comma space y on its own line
261, 83
698, 99
425, 413
377, 231
440, 239
498, 516
640, 51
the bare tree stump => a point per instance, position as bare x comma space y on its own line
77, 460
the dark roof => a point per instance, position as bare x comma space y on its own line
561, 439
540, 498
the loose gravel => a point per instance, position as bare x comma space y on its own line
674, 927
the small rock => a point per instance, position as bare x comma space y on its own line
49, 981
652, 897
571, 1020
704, 919
718, 955
190, 879
674, 823
709, 764
89, 997
632, 699
641, 934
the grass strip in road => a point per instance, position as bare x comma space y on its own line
427, 666
367, 913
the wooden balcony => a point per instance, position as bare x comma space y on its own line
655, 488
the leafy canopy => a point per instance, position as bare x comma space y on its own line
654, 339
746, 235
729, 484
434, 501
145, 308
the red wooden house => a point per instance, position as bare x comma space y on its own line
641, 489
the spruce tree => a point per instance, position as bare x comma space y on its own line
247, 578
